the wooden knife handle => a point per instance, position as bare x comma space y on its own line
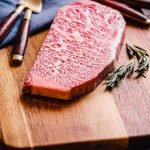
22, 38
8, 22
138, 3
126, 10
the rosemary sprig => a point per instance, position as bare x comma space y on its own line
142, 51
143, 66
118, 74
141, 55
133, 50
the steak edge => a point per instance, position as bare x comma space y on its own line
80, 49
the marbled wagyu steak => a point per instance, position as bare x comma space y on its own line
80, 49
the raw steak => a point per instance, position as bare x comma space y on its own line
79, 51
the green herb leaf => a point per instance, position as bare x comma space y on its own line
143, 65
143, 51
141, 54
118, 74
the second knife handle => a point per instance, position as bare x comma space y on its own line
138, 3
22, 38
8, 22
126, 11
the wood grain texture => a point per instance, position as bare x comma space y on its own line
133, 97
100, 120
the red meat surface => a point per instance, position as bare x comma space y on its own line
80, 49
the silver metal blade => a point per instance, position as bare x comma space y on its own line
34, 5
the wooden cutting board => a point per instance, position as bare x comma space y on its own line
100, 120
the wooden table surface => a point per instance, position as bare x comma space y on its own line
99, 120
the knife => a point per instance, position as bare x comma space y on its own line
8, 22
138, 3
23, 34
126, 11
